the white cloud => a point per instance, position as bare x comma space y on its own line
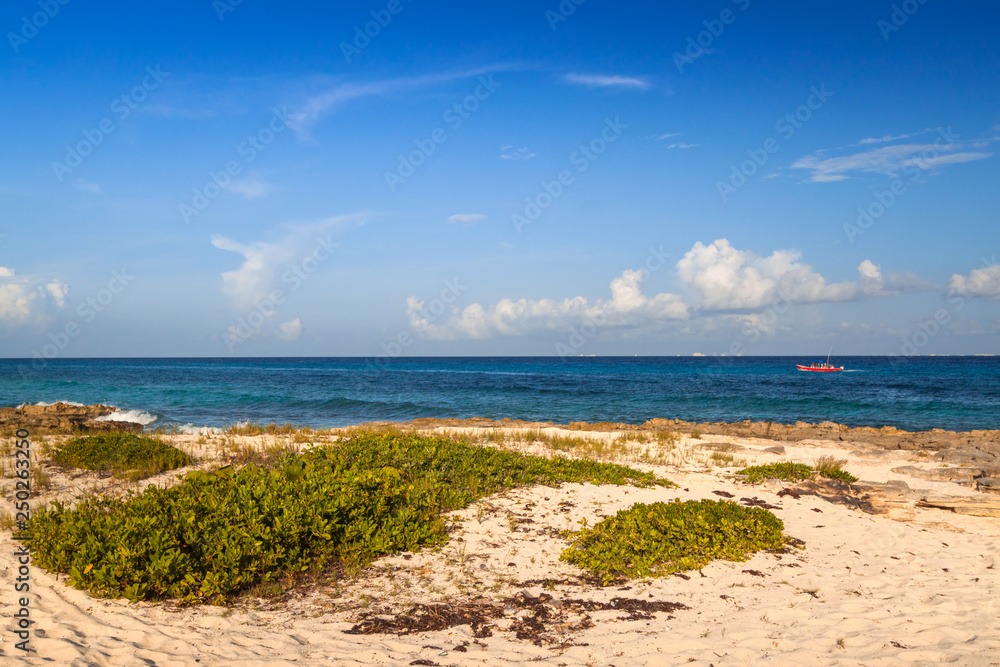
890, 160
508, 153
718, 276
628, 307
466, 218
682, 145
29, 299
251, 188
608, 81
668, 136
726, 278
290, 330
984, 282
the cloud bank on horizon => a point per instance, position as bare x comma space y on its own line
720, 278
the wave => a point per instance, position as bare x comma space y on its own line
135, 416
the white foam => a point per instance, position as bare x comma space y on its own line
134, 416
44, 404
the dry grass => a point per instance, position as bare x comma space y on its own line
255, 428
829, 464
648, 447
245, 452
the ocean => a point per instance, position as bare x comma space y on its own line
913, 393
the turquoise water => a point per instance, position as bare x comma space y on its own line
915, 393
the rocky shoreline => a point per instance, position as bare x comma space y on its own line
64, 418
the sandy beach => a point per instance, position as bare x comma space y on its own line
887, 574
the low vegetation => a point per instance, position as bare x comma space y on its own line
792, 472
832, 468
661, 538
122, 454
219, 533
255, 428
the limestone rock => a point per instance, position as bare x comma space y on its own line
957, 475
967, 456
893, 498
970, 505
59, 418
988, 485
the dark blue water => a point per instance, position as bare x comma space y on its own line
915, 393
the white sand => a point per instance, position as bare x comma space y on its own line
865, 590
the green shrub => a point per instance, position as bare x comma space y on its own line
789, 472
793, 472
658, 539
219, 533
122, 454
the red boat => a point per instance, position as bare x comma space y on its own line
821, 366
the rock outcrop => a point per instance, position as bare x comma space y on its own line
985, 443
964, 476
64, 418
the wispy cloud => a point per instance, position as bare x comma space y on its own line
251, 188
326, 102
608, 81
886, 138
682, 145
510, 153
669, 135
466, 218
87, 186
890, 160
265, 261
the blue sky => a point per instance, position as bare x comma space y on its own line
212, 178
